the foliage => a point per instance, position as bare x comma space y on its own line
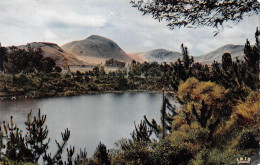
215, 157
247, 113
101, 155
6, 161
131, 153
193, 13
189, 140
17, 148
239, 76
168, 112
81, 158
141, 132
3, 56
182, 69
25, 60
36, 135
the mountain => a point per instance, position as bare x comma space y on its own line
52, 50
162, 55
234, 50
157, 55
96, 49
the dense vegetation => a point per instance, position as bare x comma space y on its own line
217, 119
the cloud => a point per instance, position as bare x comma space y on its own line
85, 21
62, 21
148, 44
50, 35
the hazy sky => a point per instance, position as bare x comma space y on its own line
62, 21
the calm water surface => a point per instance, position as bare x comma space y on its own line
91, 118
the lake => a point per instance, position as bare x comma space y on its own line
91, 118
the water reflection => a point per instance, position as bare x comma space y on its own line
91, 118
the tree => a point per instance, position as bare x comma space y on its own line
252, 60
96, 71
196, 13
28, 60
101, 154
239, 76
36, 135
226, 61
48, 64
3, 56
16, 148
205, 103
34, 144
182, 69
168, 111
142, 132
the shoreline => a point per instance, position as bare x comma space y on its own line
25, 97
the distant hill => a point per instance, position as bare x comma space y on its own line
96, 49
162, 55
52, 50
157, 55
234, 50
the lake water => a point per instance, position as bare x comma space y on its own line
91, 118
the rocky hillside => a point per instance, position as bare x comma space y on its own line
157, 55
52, 50
236, 51
96, 49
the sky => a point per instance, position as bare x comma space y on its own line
63, 21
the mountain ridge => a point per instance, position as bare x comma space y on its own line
236, 51
156, 55
97, 48
60, 56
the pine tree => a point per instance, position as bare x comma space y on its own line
56, 159
238, 75
34, 145
70, 153
168, 111
16, 148
81, 157
36, 137
101, 154
182, 69
252, 55
226, 61
141, 133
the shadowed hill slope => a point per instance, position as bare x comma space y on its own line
96, 49
52, 50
